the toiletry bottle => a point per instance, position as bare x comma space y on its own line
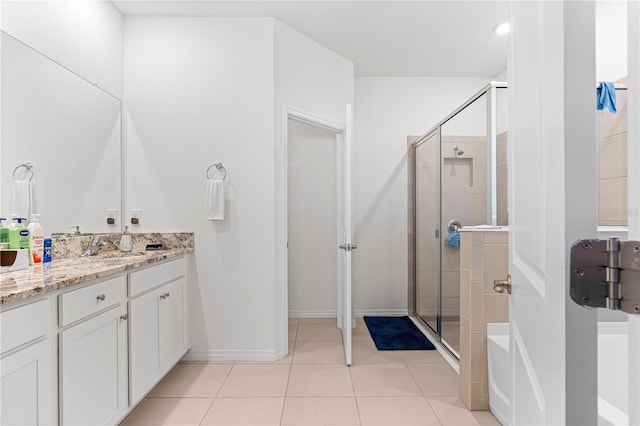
48, 251
19, 235
4, 232
125, 242
12, 223
36, 240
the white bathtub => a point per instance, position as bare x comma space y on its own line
613, 404
499, 358
613, 380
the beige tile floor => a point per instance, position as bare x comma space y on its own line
313, 386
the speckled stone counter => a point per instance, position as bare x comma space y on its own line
68, 268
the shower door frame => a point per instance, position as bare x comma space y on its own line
491, 91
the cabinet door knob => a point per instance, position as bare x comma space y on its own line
124, 317
168, 294
101, 297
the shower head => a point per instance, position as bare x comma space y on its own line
457, 150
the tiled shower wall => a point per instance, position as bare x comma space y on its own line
612, 164
464, 198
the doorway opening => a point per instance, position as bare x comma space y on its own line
317, 177
312, 221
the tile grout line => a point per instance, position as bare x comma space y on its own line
431, 406
208, 408
217, 392
423, 395
355, 397
286, 388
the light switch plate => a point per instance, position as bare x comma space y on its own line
112, 214
136, 216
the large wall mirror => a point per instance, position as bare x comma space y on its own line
70, 131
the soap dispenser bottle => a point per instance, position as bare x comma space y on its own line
125, 242
19, 235
4, 232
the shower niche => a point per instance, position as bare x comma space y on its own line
457, 177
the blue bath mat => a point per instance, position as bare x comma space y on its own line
396, 334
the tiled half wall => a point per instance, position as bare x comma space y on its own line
484, 257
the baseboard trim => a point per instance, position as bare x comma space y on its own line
381, 312
233, 355
298, 313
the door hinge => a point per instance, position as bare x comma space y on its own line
606, 274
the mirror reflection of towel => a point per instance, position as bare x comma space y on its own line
21, 199
215, 199
606, 96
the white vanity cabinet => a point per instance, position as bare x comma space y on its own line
27, 366
93, 365
159, 326
86, 355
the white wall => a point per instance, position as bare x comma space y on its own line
206, 90
387, 109
84, 36
310, 77
501, 76
611, 40
312, 221
200, 91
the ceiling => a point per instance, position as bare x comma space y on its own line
382, 38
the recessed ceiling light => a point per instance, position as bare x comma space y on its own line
502, 28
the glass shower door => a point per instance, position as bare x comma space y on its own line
427, 169
465, 201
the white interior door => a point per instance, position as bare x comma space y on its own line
552, 204
345, 306
633, 191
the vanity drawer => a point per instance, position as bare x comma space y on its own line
25, 323
149, 278
89, 300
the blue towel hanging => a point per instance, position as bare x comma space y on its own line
606, 96
453, 240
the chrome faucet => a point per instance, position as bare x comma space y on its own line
94, 247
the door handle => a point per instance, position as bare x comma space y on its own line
499, 286
348, 246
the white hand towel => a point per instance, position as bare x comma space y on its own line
21, 198
215, 199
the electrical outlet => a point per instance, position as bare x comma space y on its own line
136, 217
112, 217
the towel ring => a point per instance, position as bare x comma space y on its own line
220, 169
28, 166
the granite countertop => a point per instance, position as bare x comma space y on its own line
66, 272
